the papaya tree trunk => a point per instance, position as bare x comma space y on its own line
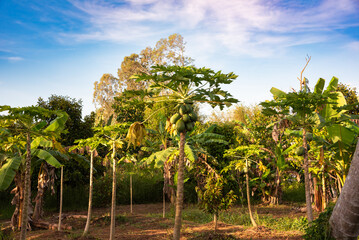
89, 211
179, 196
344, 221
308, 201
61, 197
131, 193
27, 190
164, 196
113, 205
249, 197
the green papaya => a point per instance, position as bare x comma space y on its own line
175, 118
308, 147
189, 108
189, 126
180, 125
182, 109
300, 151
309, 137
186, 118
193, 116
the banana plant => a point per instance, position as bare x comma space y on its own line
342, 132
22, 127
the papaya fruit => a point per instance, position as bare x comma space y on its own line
189, 126
300, 151
182, 110
189, 108
309, 137
186, 118
193, 116
180, 125
175, 118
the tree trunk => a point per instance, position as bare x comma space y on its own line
179, 196
27, 190
113, 205
61, 196
164, 195
345, 217
131, 193
324, 190
317, 195
215, 221
249, 197
306, 179
89, 211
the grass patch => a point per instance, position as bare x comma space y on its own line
194, 214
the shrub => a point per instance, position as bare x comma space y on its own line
319, 229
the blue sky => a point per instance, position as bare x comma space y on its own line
63, 47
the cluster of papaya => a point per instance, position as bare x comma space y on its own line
183, 120
300, 150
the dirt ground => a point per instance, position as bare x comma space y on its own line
141, 225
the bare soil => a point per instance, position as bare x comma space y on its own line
141, 225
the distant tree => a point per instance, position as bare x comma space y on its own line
351, 96
75, 126
167, 51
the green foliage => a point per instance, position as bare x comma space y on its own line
320, 229
351, 97
212, 195
6, 235
75, 126
294, 192
147, 188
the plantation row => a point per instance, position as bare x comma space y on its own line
147, 142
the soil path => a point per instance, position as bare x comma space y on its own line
146, 223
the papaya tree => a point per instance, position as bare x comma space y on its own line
114, 140
90, 144
186, 86
300, 108
242, 159
27, 125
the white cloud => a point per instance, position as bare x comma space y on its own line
13, 59
353, 46
257, 27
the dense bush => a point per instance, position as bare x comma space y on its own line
319, 229
293, 192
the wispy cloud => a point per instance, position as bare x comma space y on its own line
257, 27
12, 59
